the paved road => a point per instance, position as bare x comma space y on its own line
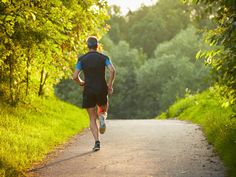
137, 148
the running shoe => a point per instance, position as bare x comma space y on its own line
102, 123
96, 146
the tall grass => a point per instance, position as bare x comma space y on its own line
28, 133
217, 122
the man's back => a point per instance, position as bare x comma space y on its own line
93, 65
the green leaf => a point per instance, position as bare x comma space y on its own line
33, 16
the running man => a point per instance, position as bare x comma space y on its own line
95, 88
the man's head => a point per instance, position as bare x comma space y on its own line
92, 42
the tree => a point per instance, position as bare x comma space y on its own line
173, 69
117, 24
222, 58
127, 61
39, 42
149, 26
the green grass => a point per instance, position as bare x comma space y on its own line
28, 133
217, 122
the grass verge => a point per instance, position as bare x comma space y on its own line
217, 122
28, 133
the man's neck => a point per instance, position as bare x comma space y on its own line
92, 50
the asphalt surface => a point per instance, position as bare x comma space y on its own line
136, 148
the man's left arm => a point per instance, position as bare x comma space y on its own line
76, 77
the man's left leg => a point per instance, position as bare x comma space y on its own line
93, 123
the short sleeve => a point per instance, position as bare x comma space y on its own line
107, 62
78, 66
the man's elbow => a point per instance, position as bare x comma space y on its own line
113, 71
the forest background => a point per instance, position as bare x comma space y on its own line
154, 51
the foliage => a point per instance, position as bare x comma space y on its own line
217, 122
39, 42
222, 58
144, 87
127, 62
123, 101
172, 70
28, 133
117, 23
149, 26
69, 91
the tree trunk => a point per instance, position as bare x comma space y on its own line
27, 74
42, 82
11, 79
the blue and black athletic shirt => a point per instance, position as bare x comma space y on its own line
93, 65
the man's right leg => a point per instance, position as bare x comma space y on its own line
94, 127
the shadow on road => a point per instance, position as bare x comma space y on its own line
60, 161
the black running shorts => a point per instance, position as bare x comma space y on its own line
91, 100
